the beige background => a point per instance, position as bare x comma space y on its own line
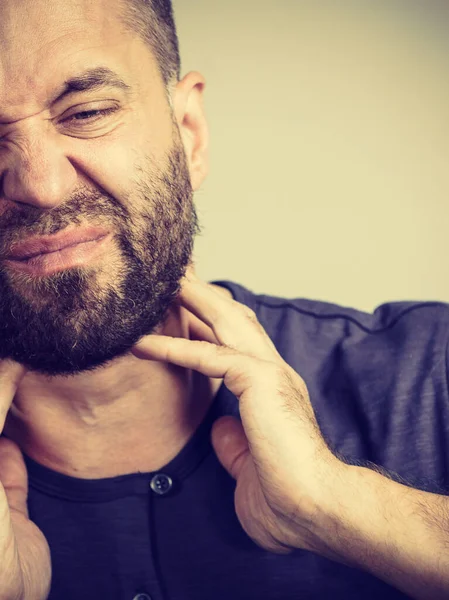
329, 146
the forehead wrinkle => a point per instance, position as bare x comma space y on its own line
37, 37
24, 70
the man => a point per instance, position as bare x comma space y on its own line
119, 365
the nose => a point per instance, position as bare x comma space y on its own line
37, 172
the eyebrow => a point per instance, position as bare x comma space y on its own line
91, 80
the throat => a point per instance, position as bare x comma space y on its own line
114, 443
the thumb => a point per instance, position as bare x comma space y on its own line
13, 476
230, 444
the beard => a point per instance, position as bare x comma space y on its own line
81, 318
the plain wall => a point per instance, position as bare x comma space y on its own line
329, 146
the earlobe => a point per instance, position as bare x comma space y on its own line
189, 113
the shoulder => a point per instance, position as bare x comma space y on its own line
307, 331
386, 316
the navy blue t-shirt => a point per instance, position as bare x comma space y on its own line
378, 385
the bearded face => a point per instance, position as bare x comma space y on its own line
80, 318
91, 138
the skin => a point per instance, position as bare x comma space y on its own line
108, 422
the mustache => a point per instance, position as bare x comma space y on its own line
92, 207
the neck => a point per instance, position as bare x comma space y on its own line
132, 415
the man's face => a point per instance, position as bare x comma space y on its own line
109, 156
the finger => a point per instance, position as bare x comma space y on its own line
13, 475
219, 362
11, 373
233, 324
239, 371
230, 444
199, 331
209, 359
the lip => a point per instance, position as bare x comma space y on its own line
48, 263
44, 244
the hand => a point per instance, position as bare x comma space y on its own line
277, 454
25, 566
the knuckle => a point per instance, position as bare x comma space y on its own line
224, 349
250, 314
245, 310
217, 317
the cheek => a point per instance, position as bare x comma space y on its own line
105, 163
115, 160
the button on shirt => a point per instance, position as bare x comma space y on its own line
161, 484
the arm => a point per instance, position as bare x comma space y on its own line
397, 533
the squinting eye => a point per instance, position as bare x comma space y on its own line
91, 115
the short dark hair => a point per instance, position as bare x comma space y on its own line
154, 21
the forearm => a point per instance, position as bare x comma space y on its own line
397, 533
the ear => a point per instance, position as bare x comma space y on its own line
189, 114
